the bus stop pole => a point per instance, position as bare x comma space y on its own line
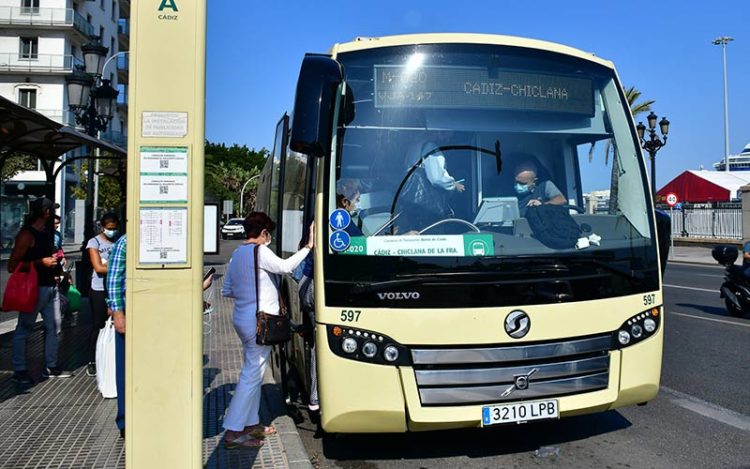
164, 301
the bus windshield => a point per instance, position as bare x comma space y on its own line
443, 152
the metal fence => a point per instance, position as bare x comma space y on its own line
707, 221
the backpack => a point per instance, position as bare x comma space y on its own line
553, 226
418, 190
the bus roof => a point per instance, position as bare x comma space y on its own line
361, 43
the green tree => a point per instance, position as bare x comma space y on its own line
228, 168
111, 184
16, 163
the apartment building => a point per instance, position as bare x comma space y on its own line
40, 45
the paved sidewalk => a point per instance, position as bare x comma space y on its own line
67, 424
693, 255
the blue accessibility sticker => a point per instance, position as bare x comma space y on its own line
339, 219
486, 415
339, 241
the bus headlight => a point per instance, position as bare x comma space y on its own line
639, 327
369, 349
349, 345
366, 346
390, 353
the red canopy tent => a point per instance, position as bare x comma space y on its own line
704, 186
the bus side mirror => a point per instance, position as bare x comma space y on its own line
312, 121
664, 237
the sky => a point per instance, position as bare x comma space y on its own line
663, 48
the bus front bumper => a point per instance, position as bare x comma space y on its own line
359, 397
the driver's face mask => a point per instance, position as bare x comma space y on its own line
522, 188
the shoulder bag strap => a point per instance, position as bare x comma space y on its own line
257, 279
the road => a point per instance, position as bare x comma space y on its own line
701, 418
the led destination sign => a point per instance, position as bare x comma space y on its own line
473, 88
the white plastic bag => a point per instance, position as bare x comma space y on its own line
106, 379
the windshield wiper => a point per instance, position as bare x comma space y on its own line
453, 277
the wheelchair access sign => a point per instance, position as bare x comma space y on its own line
339, 241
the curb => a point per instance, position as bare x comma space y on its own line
296, 455
685, 261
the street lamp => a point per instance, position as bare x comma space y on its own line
242, 192
653, 144
723, 41
91, 99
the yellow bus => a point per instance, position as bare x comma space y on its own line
487, 249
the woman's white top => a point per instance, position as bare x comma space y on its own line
437, 174
269, 264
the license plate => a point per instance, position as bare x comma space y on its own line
520, 412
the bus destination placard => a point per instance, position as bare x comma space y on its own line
474, 88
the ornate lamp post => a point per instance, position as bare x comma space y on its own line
90, 98
653, 144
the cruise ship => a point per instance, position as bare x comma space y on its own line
739, 162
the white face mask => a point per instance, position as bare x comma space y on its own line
268, 241
110, 233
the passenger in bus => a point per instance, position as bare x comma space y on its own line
424, 198
530, 191
242, 420
347, 197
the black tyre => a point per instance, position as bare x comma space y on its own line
223, 236
733, 309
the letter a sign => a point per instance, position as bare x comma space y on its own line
168, 4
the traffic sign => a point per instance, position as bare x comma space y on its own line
671, 199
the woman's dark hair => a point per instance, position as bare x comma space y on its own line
255, 223
109, 217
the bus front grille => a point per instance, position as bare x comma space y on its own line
489, 374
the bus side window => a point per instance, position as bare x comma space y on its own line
293, 201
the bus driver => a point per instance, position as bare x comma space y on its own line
530, 192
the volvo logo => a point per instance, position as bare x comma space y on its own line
520, 382
400, 295
517, 324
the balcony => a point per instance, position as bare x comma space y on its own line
46, 18
123, 68
58, 115
38, 63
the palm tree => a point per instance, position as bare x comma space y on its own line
631, 95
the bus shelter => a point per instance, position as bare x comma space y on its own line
26, 132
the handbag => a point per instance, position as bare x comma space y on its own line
74, 299
106, 377
22, 290
271, 329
